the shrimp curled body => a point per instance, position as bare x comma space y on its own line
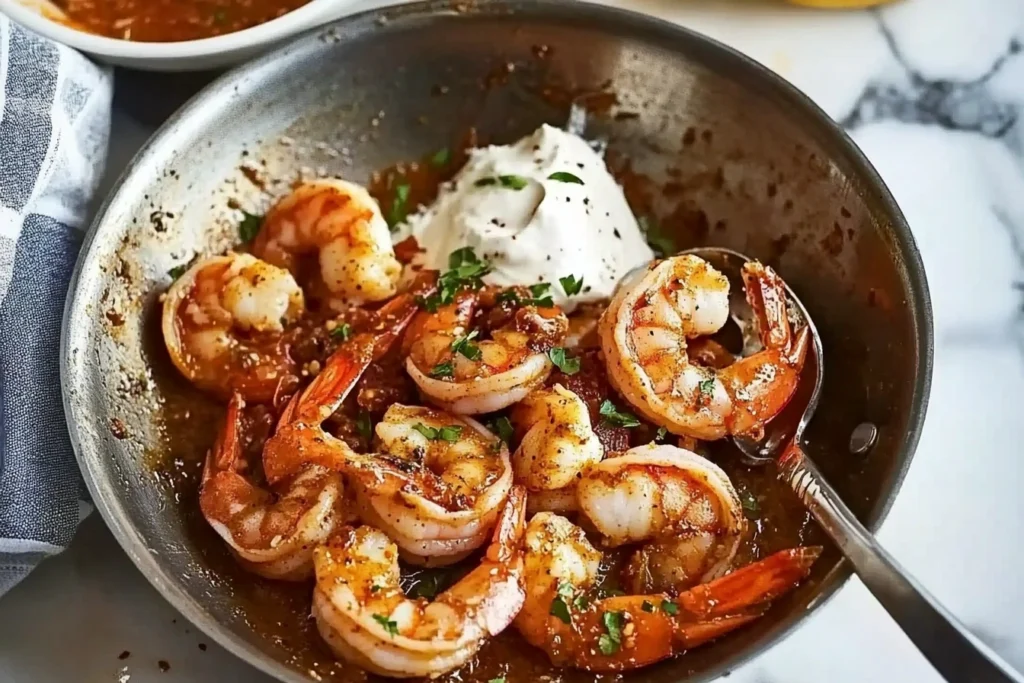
644, 335
363, 614
223, 321
343, 225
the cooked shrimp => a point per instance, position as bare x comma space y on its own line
271, 534
223, 321
682, 502
300, 439
626, 632
342, 223
556, 446
468, 375
365, 617
436, 484
644, 336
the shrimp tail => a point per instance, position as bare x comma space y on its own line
766, 295
689, 636
298, 440
752, 585
227, 450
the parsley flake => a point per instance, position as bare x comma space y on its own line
503, 428
670, 608
661, 244
499, 679
390, 626
565, 177
615, 417
399, 209
449, 433
610, 641
342, 332
511, 182
443, 370
706, 387
250, 226
751, 506
541, 295
647, 606
570, 365
466, 347
571, 285
177, 271
441, 157
561, 610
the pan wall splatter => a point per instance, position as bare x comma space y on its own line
720, 150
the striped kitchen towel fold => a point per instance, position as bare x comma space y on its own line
54, 125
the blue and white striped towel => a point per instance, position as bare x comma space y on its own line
54, 125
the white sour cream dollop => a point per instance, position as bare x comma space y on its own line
533, 228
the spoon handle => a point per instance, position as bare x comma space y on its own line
954, 652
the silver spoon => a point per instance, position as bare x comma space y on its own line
954, 652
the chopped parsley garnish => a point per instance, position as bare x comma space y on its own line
342, 332
581, 602
466, 347
449, 433
706, 387
499, 679
570, 365
670, 608
443, 370
660, 434
374, 588
610, 641
571, 285
177, 271
615, 417
509, 295
399, 208
390, 626
503, 427
364, 425
565, 177
751, 507
561, 610
658, 241
250, 226
559, 606
647, 606
541, 295
464, 272
441, 157
512, 182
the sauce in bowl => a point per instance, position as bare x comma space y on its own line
162, 21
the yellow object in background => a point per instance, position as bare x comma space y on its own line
839, 4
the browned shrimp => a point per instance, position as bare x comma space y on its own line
644, 335
223, 321
461, 371
272, 533
627, 632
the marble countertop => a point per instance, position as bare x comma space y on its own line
933, 91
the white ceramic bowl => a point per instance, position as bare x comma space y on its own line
191, 55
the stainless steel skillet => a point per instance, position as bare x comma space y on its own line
757, 168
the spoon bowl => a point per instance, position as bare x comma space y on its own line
789, 425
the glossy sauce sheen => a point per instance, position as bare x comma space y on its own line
162, 21
279, 611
